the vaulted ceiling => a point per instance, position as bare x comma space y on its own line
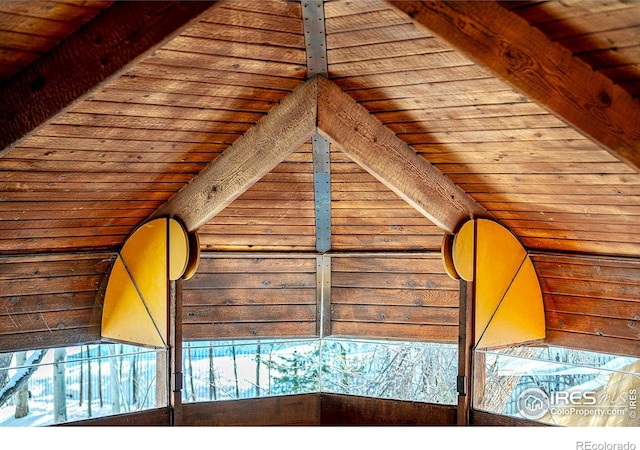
412, 117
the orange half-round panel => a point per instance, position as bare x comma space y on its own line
178, 249
124, 315
194, 256
499, 256
446, 253
519, 317
463, 250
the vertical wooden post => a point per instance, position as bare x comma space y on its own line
175, 352
479, 379
323, 295
465, 351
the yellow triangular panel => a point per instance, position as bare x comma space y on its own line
145, 256
124, 316
520, 316
508, 301
499, 256
156, 252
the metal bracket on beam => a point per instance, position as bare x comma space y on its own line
316, 46
315, 37
322, 192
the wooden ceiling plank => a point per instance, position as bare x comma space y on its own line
367, 142
111, 43
256, 153
543, 70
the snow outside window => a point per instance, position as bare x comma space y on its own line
46, 387
225, 370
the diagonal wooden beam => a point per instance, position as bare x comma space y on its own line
105, 47
256, 153
378, 150
541, 69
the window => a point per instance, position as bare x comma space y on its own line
558, 386
45, 387
416, 371
226, 370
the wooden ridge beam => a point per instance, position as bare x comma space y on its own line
105, 47
278, 134
541, 69
378, 150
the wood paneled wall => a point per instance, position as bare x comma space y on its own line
275, 214
316, 409
351, 410
151, 417
251, 297
291, 410
367, 216
51, 301
403, 297
591, 303
485, 419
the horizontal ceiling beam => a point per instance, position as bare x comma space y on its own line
541, 69
103, 48
378, 150
278, 134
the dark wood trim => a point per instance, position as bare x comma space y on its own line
465, 351
485, 419
122, 35
291, 410
175, 351
305, 410
525, 58
352, 410
317, 409
151, 417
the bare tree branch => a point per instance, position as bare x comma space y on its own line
22, 376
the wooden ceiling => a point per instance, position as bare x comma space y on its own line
527, 112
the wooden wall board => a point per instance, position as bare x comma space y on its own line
485, 419
158, 417
276, 213
591, 302
366, 215
292, 410
250, 297
403, 297
49, 301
